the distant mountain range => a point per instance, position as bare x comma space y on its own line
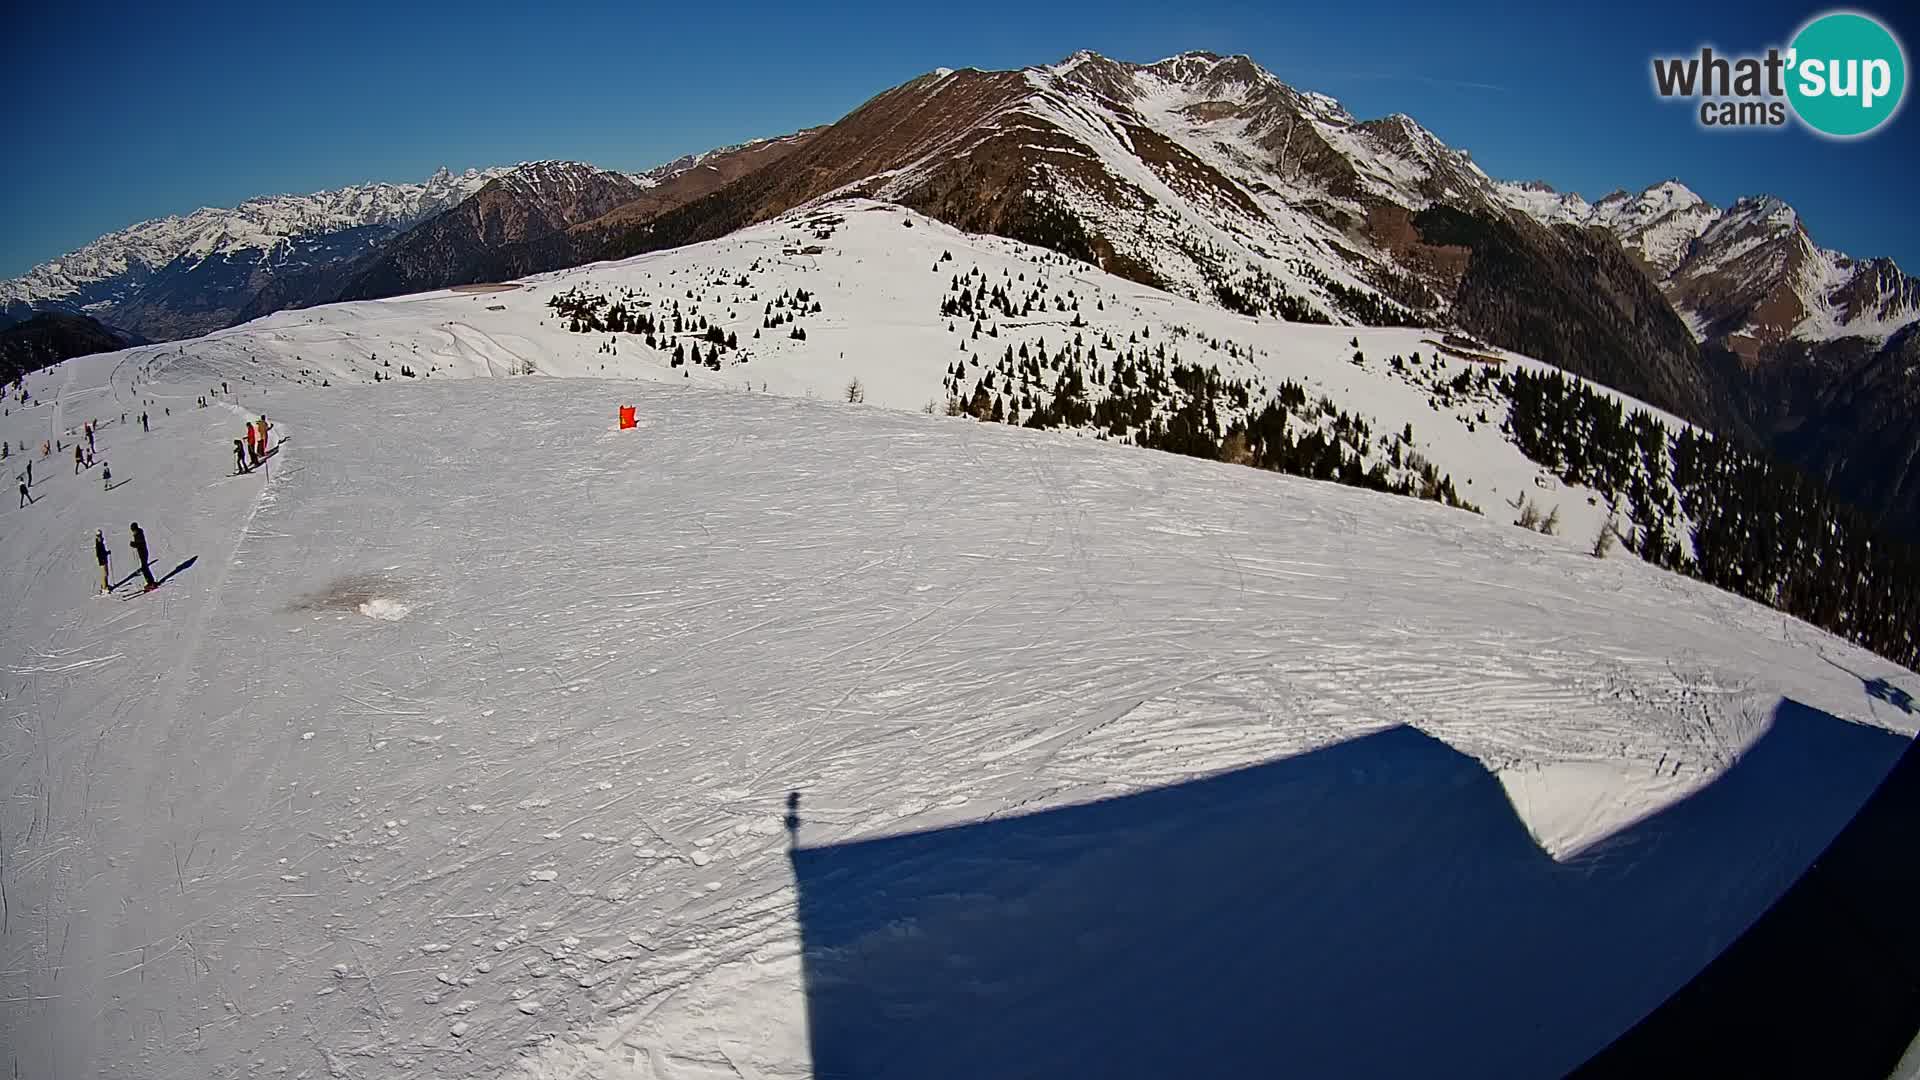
1203, 175
504, 230
186, 275
178, 277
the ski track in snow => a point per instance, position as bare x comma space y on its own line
534, 821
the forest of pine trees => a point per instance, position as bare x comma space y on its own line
1140, 391
679, 332
1756, 527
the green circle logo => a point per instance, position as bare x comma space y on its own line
1847, 74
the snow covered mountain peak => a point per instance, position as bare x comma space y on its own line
258, 225
1753, 276
1666, 197
1657, 224
1746, 275
1234, 114
1079, 57
1194, 76
1545, 204
1214, 72
1763, 211
550, 177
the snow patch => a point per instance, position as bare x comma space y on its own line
385, 609
1566, 805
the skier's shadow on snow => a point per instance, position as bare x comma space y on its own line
1880, 688
184, 566
1896, 696
1374, 908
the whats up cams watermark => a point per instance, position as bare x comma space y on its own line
1843, 76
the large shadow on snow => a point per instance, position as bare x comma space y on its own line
1374, 908
1826, 983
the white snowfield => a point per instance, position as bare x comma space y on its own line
781, 737
880, 283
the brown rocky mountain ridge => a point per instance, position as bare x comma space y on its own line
491, 236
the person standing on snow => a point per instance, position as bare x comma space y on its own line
106, 477
79, 459
89, 437
104, 558
26, 497
143, 421
239, 457
140, 549
253, 444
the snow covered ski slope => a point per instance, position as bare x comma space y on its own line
880, 275
782, 737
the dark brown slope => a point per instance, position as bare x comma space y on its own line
512, 229
475, 240
892, 131
683, 181
48, 338
1572, 297
1860, 435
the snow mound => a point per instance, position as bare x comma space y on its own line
385, 609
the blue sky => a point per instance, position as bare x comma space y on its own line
128, 114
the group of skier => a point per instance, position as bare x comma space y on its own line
249, 453
138, 541
83, 458
252, 450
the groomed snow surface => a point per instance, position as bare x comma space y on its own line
782, 737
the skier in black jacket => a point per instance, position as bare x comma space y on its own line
140, 549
